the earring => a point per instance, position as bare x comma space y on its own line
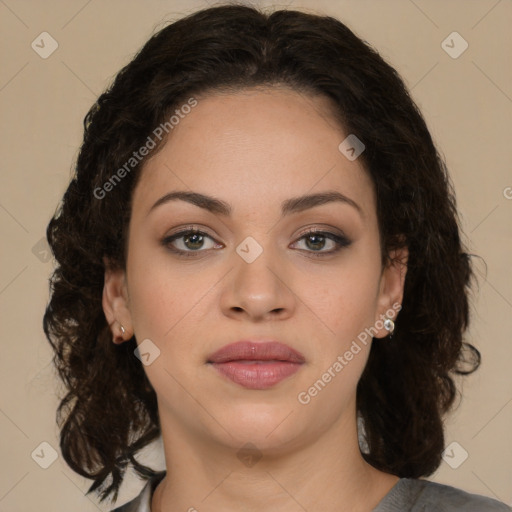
119, 339
389, 325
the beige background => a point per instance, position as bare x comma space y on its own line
467, 102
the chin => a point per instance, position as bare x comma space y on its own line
268, 427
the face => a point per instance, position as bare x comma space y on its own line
255, 272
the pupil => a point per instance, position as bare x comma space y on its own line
188, 237
321, 237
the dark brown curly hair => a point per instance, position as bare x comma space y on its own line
109, 410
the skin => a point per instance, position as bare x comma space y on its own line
254, 149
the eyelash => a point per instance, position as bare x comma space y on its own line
340, 241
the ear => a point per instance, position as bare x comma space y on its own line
115, 303
391, 289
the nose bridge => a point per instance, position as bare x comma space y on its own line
256, 284
255, 262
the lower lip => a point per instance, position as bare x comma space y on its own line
257, 375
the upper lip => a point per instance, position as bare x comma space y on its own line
257, 351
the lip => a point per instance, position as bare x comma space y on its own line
256, 364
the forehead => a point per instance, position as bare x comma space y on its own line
252, 147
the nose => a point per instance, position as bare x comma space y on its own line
258, 290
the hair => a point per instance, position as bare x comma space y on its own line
109, 410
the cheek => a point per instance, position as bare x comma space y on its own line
171, 304
165, 308
154, 305
161, 293
340, 346
344, 299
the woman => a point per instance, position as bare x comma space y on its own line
259, 259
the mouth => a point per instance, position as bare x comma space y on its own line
256, 365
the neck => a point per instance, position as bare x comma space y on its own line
328, 473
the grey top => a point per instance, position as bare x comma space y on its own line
407, 495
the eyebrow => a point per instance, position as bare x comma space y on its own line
289, 206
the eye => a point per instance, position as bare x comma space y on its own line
316, 240
190, 241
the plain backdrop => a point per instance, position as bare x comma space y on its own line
465, 97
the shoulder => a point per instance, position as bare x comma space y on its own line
142, 502
451, 498
416, 495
